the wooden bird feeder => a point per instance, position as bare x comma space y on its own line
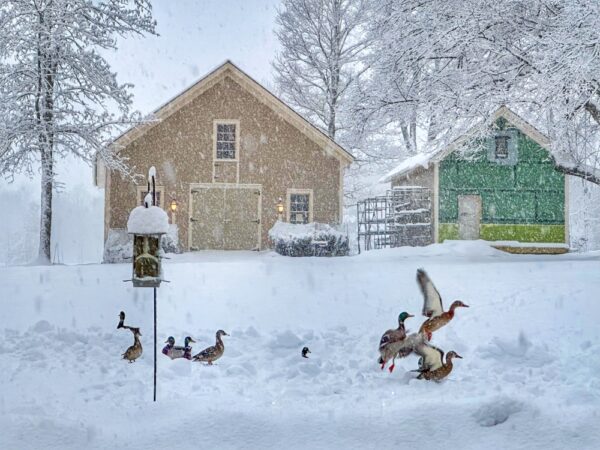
147, 224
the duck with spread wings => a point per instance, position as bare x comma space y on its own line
432, 306
391, 342
431, 364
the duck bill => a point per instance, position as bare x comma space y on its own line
458, 356
191, 340
410, 315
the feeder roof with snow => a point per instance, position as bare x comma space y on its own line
151, 220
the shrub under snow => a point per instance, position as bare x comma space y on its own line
313, 239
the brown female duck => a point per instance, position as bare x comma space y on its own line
213, 353
431, 364
135, 351
432, 306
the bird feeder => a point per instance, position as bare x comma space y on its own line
147, 224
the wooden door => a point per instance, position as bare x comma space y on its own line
225, 218
207, 219
469, 216
242, 219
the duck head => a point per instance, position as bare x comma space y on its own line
305, 351
457, 304
136, 332
170, 341
221, 333
452, 354
403, 316
188, 339
121, 319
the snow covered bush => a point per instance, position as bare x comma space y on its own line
313, 239
119, 244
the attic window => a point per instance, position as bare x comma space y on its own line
226, 141
501, 149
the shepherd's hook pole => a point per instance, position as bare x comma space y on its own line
154, 344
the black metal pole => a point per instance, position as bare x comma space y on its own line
154, 344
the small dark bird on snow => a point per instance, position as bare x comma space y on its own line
305, 350
121, 320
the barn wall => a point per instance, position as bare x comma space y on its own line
273, 153
523, 202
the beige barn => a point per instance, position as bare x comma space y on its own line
226, 151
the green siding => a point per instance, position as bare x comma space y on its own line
508, 232
524, 201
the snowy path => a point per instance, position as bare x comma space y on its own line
530, 377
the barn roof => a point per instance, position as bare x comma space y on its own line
422, 160
228, 69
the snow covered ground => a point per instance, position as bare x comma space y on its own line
530, 377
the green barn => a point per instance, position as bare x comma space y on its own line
504, 189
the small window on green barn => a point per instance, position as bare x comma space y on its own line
501, 147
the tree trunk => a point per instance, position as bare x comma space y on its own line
46, 207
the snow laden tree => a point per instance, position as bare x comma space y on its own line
323, 46
58, 96
444, 64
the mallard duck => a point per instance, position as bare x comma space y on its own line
135, 351
305, 351
432, 306
174, 352
213, 353
121, 320
431, 365
391, 342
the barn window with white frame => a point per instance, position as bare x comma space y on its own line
299, 208
226, 144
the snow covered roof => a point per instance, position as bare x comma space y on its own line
152, 220
424, 159
408, 165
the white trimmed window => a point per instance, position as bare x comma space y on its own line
300, 206
227, 139
142, 191
501, 149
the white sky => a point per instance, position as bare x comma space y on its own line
195, 37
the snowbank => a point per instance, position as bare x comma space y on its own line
529, 377
151, 220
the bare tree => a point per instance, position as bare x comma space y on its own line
323, 45
58, 96
448, 63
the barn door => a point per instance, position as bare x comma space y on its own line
225, 218
242, 220
207, 220
469, 216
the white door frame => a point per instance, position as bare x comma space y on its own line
225, 186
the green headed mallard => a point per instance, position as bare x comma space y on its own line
391, 342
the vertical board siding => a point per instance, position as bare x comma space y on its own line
528, 193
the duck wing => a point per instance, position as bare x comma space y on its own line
432, 357
432, 301
391, 337
206, 353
